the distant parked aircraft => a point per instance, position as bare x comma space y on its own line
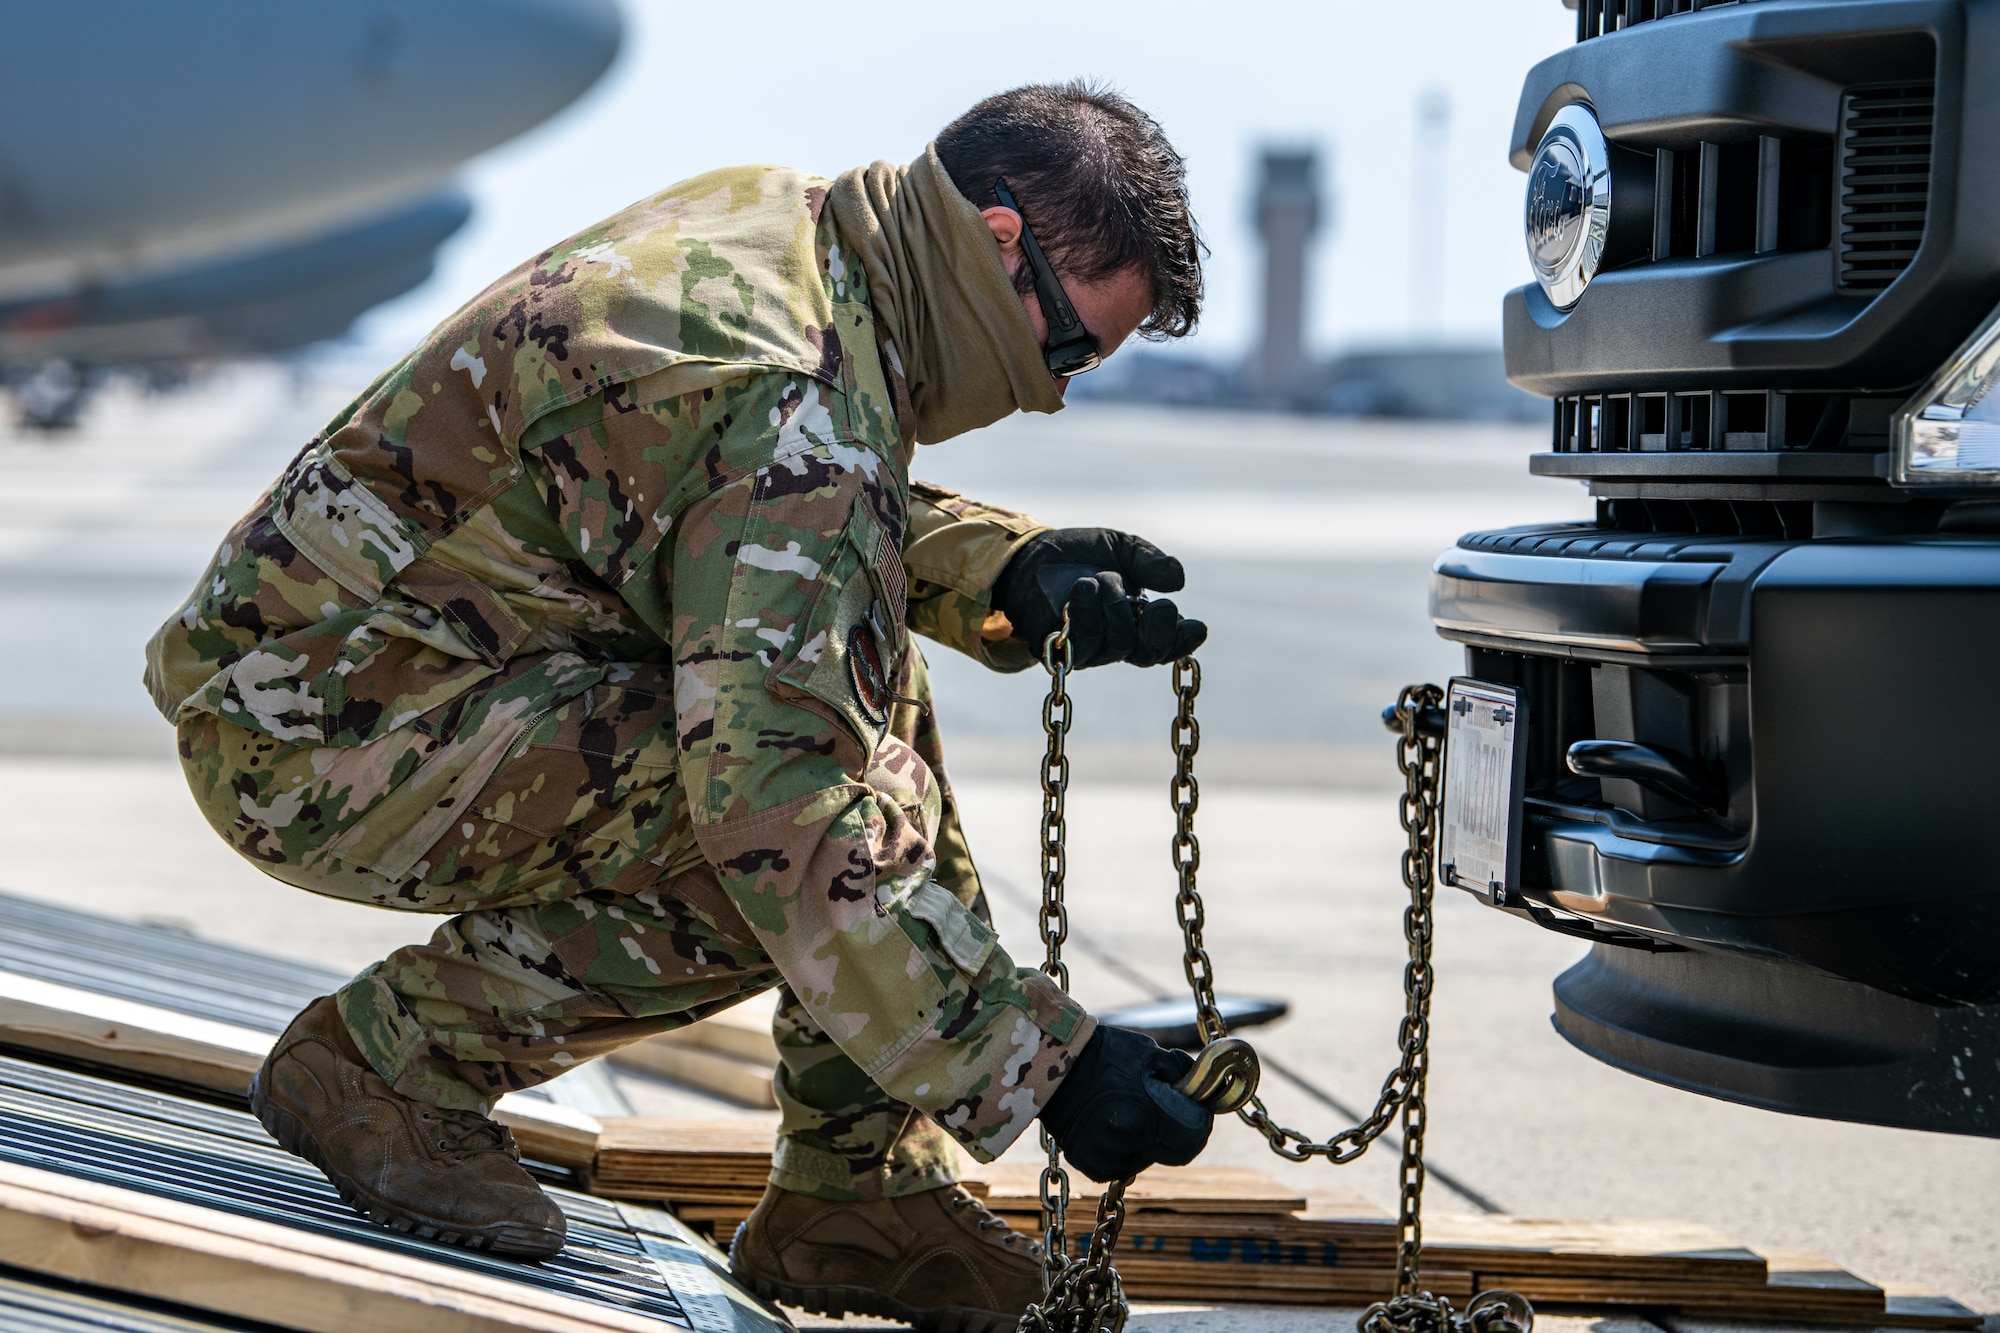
186, 182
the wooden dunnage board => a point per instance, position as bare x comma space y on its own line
1229, 1233
1015, 1187
716, 1161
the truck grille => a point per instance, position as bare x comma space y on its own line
1594, 18
1885, 175
1701, 421
1721, 421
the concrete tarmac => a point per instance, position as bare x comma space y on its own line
1307, 545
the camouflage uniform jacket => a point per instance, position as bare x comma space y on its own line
671, 437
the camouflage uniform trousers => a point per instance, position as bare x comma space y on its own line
586, 917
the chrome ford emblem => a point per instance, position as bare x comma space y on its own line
1569, 204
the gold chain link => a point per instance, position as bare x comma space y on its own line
1084, 1295
1417, 757
1054, 918
1079, 1295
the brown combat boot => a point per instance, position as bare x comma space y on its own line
937, 1260
453, 1176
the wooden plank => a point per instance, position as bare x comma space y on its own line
139, 1038
1914, 1305
1209, 1190
652, 1157
699, 1140
1805, 1271
743, 1081
40, 1016
1579, 1250
1800, 1285
1490, 1243
1206, 1294
1715, 1298
131, 1242
549, 1131
1238, 1277
1281, 1287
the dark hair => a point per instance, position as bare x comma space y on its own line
1099, 182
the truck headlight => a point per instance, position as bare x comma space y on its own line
1949, 433
1569, 204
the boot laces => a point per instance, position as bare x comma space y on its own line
985, 1219
462, 1133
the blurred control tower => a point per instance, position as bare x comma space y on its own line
1280, 372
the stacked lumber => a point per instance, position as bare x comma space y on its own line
710, 1172
1216, 1234
1230, 1233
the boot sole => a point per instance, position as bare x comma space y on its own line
837, 1301
509, 1241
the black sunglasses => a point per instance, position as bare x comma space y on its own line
1070, 349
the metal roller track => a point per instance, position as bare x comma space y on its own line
204, 1155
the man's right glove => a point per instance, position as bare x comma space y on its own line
1117, 1112
1101, 575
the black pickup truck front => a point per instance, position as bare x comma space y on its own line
1761, 745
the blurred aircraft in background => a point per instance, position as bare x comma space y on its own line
185, 183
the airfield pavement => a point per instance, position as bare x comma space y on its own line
1307, 544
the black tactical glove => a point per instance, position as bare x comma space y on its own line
1117, 1112
1100, 575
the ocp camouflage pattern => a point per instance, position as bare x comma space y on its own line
589, 621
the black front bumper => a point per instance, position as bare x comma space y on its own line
1838, 691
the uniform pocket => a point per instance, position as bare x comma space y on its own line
342, 526
850, 654
965, 939
419, 809
348, 531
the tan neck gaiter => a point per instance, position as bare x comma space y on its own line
942, 297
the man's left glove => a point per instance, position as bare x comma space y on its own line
1100, 574
1118, 1112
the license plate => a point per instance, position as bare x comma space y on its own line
1484, 754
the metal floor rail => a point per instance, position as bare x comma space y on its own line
635, 1259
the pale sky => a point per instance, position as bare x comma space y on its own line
826, 87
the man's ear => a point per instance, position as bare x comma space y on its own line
1005, 224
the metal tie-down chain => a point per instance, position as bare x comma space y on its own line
1079, 1295
1083, 1294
